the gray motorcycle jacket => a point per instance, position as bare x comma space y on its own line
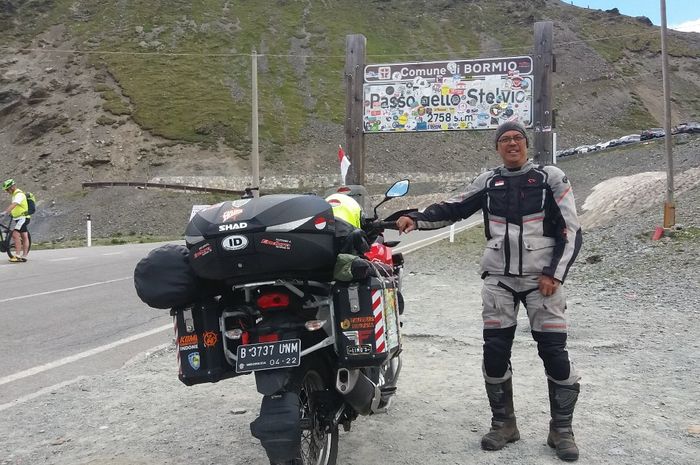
530, 220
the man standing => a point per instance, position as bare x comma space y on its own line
19, 209
533, 237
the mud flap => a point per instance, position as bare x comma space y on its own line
268, 382
278, 426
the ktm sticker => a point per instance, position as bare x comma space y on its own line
194, 360
187, 340
210, 338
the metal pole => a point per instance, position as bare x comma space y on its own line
669, 206
255, 156
89, 230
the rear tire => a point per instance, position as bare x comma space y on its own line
319, 442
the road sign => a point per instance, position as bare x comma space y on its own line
438, 69
448, 104
447, 96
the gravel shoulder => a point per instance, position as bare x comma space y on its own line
634, 307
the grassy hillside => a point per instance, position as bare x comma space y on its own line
182, 69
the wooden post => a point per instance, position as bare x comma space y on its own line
669, 205
542, 104
355, 57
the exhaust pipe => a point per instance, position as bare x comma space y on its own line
358, 390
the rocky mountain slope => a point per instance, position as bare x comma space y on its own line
126, 91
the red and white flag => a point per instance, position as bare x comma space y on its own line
344, 163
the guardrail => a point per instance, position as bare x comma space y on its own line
214, 190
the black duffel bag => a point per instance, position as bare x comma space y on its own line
165, 279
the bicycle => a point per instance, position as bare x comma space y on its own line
7, 243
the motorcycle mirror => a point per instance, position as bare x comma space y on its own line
398, 189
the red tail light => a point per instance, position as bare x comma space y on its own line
273, 300
268, 338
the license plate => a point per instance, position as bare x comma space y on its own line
268, 355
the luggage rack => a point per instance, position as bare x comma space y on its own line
294, 286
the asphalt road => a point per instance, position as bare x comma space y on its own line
71, 313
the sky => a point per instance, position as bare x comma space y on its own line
682, 15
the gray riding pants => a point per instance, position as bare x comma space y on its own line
501, 298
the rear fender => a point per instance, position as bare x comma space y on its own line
269, 382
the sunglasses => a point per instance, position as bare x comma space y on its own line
508, 140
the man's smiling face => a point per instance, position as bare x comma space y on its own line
512, 147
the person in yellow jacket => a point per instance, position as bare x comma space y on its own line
18, 209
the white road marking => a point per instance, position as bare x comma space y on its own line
62, 259
413, 246
64, 289
56, 387
38, 393
112, 253
88, 353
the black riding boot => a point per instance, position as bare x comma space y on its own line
503, 427
562, 400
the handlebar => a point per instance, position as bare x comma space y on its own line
386, 224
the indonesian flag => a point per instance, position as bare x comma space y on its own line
344, 163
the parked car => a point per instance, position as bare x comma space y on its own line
565, 153
629, 139
692, 127
652, 133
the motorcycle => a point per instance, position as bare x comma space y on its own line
266, 302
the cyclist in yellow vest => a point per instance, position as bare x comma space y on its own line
18, 209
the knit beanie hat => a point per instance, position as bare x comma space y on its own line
511, 126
